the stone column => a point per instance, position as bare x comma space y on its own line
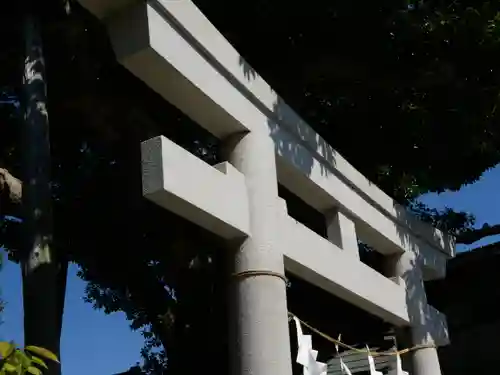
405, 269
259, 337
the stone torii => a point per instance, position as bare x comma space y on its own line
175, 50
238, 201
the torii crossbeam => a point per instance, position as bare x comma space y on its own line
177, 52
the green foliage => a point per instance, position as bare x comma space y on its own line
447, 219
397, 94
23, 361
392, 87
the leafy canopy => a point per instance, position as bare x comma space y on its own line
391, 85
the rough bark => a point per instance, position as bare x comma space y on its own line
44, 274
11, 191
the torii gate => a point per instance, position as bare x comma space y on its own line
174, 49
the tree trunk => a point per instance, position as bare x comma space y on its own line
44, 274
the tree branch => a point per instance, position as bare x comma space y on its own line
11, 188
472, 235
482, 251
488, 248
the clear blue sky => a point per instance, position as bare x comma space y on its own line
92, 342
104, 345
480, 198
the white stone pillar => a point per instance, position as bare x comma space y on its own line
341, 231
259, 336
406, 269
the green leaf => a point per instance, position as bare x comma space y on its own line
23, 358
42, 352
39, 361
35, 371
9, 368
6, 348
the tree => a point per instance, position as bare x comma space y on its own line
418, 83
387, 90
398, 72
44, 274
44, 270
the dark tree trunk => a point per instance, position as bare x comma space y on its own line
44, 274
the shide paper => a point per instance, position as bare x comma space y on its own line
343, 367
371, 363
399, 369
306, 355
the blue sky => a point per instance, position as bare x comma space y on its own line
480, 198
92, 342
105, 344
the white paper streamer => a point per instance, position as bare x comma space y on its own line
398, 370
306, 355
371, 363
343, 367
